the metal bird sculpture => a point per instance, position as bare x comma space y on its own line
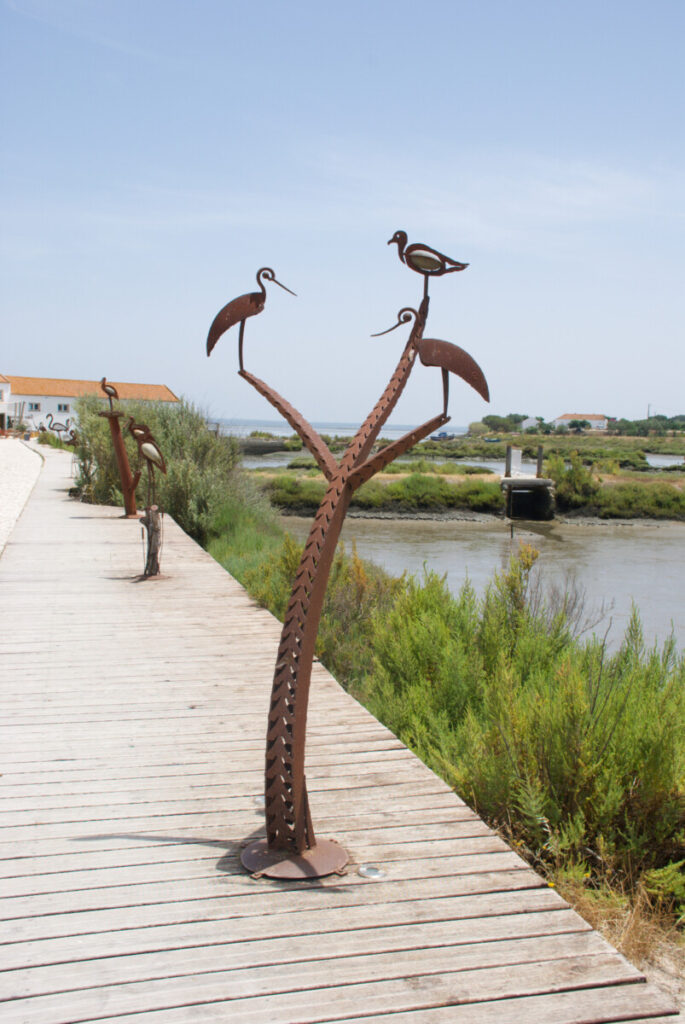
238, 310
59, 428
149, 450
423, 259
450, 358
110, 391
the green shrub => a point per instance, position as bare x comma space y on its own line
577, 754
50, 439
635, 500
203, 470
574, 485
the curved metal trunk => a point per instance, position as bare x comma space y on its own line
288, 820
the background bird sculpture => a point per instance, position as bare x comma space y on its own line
238, 310
149, 450
59, 428
110, 391
423, 259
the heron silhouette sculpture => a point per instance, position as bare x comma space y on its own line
238, 310
149, 450
110, 391
423, 259
291, 849
450, 358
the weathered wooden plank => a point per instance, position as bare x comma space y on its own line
337, 959
498, 913
580, 1006
266, 900
312, 992
205, 867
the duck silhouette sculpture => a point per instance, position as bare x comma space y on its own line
423, 259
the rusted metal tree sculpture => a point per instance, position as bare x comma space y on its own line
128, 487
151, 453
291, 849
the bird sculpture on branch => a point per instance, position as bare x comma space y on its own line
423, 259
238, 310
444, 354
149, 450
110, 391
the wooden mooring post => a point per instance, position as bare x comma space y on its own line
152, 521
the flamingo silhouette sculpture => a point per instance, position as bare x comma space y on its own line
149, 450
423, 259
238, 310
59, 428
110, 391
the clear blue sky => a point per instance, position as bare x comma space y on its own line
155, 154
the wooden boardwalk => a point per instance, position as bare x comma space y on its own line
132, 733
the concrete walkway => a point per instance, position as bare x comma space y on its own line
132, 740
19, 469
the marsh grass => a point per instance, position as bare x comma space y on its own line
414, 492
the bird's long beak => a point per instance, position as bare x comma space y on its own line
283, 287
379, 334
403, 317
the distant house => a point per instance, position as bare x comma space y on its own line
530, 421
30, 400
596, 422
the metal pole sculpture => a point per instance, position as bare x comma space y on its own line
149, 450
128, 487
291, 849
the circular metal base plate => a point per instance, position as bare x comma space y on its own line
324, 858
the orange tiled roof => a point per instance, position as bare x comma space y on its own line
581, 416
3, 380
51, 386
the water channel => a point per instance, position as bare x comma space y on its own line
615, 563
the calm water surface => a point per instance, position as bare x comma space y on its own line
615, 564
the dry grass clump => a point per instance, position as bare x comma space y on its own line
645, 935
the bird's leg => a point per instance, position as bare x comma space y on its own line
425, 286
150, 483
240, 345
445, 390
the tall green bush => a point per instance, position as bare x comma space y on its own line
577, 754
203, 470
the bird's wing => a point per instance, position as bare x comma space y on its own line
433, 352
232, 313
